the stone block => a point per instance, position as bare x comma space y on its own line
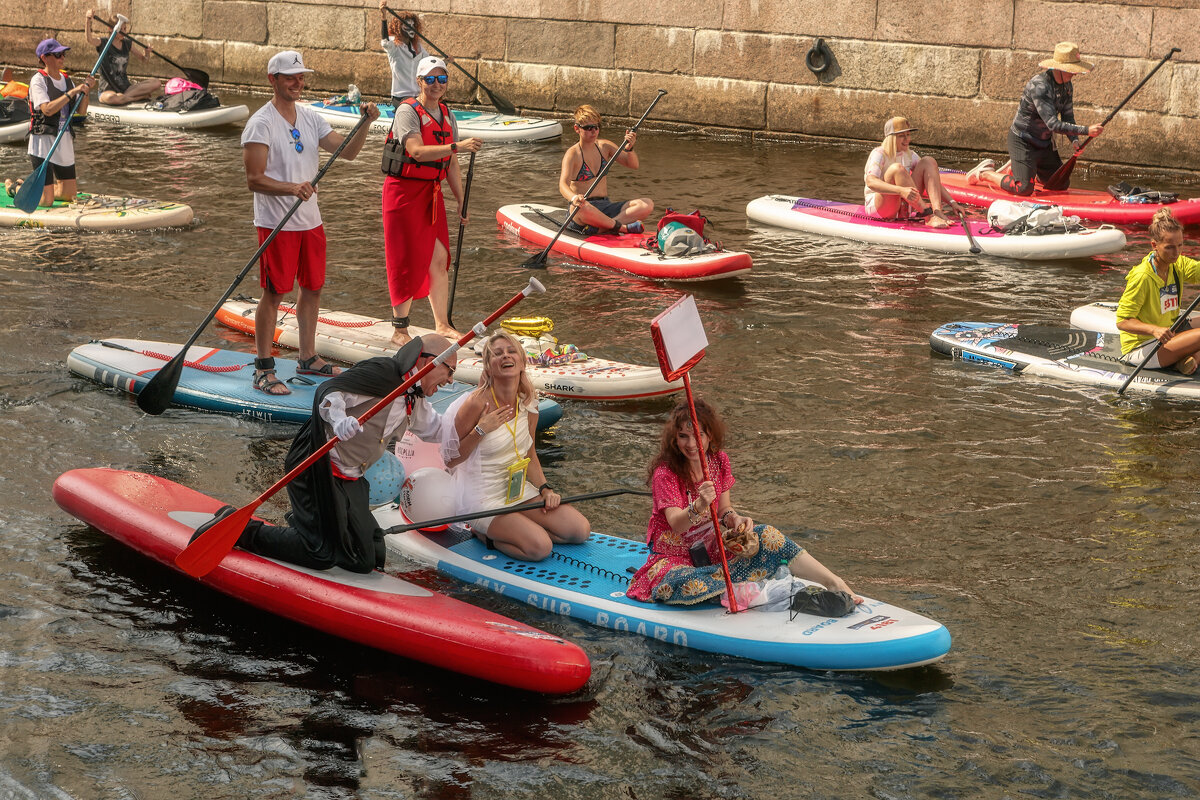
704, 101
653, 49
65, 15
860, 114
335, 70
467, 37
1111, 29
235, 19
525, 85
194, 53
606, 90
1161, 140
509, 9
980, 23
176, 18
849, 19
246, 65
1185, 91
569, 43
1005, 74
293, 26
18, 44
1176, 28
754, 56
901, 68
697, 13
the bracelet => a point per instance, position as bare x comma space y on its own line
726, 514
480, 431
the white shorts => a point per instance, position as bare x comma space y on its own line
1138, 354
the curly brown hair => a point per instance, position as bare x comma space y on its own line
668, 450
396, 26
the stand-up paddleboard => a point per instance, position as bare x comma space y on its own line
1100, 317
1065, 354
13, 132
535, 224
483, 125
1086, 204
97, 212
156, 517
144, 115
588, 581
220, 380
352, 338
850, 221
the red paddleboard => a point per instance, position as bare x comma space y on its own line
1083, 203
156, 517
536, 224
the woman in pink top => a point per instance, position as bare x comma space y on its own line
685, 564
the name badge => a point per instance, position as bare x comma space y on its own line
1168, 299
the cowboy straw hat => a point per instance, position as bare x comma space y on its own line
1066, 58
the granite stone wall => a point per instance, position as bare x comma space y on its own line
954, 68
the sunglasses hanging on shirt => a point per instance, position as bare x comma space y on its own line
296, 140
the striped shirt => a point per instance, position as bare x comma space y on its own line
1046, 107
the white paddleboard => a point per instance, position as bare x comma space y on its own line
139, 115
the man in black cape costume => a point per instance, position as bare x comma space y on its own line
330, 523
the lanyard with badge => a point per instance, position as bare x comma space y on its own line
518, 469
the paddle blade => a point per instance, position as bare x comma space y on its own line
535, 262
203, 555
156, 396
500, 102
1062, 176
197, 76
30, 193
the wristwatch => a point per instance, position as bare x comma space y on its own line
545, 485
454, 147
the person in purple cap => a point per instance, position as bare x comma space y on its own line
51, 94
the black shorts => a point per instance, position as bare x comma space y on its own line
1028, 161
609, 208
58, 173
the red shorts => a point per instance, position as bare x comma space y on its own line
292, 256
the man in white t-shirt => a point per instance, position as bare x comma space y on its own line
279, 150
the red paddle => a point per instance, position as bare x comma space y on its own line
206, 552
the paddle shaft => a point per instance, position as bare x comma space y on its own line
186, 70
458, 247
495, 512
975, 248
498, 101
1175, 327
35, 183
712, 508
1062, 172
169, 374
540, 258
210, 547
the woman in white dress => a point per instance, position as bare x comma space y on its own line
488, 444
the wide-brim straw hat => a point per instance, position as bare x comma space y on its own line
1066, 58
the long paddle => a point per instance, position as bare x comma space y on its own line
539, 261
495, 512
458, 247
502, 105
975, 248
1175, 328
30, 193
203, 554
1058, 180
197, 76
155, 397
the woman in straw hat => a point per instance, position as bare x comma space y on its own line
896, 177
1047, 107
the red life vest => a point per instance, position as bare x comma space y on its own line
432, 133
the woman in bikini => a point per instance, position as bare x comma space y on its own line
581, 164
897, 179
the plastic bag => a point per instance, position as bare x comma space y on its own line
1011, 217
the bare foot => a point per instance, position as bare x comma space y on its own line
401, 337
937, 220
449, 333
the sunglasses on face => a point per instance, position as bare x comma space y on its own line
296, 140
587, 127
429, 79
449, 369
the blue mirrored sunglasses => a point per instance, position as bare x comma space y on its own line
296, 139
429, 79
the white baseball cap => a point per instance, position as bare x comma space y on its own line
289, 62
429, 64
